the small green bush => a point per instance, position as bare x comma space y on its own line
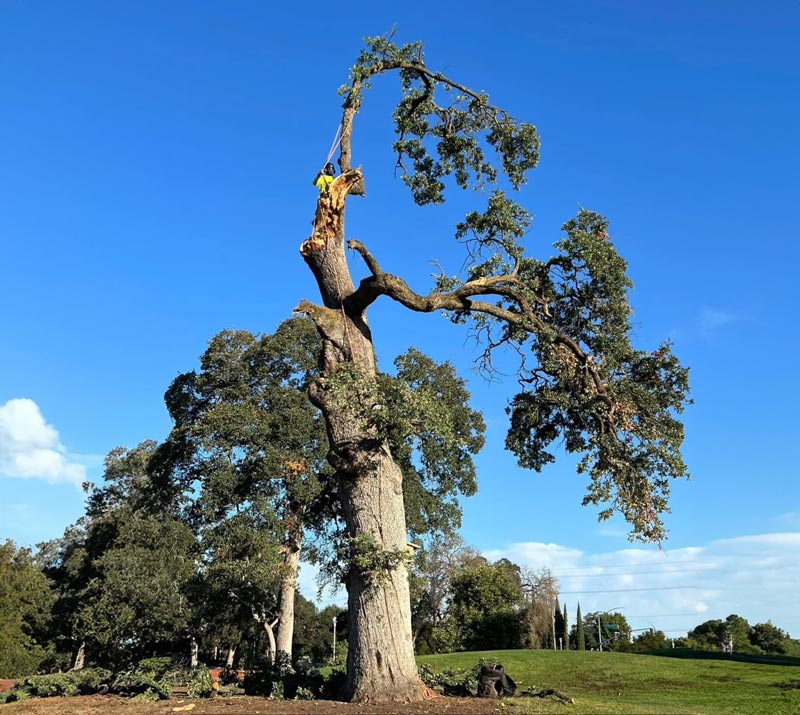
92, 680
451, 681
50, 686
200, 683
75, 682
157, 667
13, 696
141, 684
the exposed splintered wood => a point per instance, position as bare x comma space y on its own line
330, 210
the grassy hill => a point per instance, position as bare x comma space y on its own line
633, 684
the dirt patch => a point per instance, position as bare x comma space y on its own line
7, 685
242, 705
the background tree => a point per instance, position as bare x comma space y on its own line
567, 317
247, 440
25, 602
541, 594
769, 638
719, 635
247, 446
558, 626
646, 641
487, 606
614, 628
580, 635
432, 572
139, 561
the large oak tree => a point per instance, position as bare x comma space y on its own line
567, 316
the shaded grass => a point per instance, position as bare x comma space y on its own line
633, 684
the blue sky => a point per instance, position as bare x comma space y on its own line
155, 185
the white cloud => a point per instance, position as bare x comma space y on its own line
30, 448
712, 319
754, 576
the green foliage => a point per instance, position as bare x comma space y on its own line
433, 434
769, 638
281, 681
580, 633
718, 635
80, 682
456, 682
567, 317
644, 642
486, 604
49, 686
443, 128
12, 696
158, 667
200, 683
25, 602
137, 597
142, 683
591, 390
614, 628
373, 562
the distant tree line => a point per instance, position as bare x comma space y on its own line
192, 545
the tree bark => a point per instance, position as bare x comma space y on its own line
380, 659
288, 587
80, 657
230, 658
194, 649
269, 630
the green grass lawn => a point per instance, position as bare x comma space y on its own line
632, 684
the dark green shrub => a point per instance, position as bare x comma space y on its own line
92, 680
157, 667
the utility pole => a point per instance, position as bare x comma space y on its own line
599, 634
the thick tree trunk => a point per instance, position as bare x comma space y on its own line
288, 587
380, 659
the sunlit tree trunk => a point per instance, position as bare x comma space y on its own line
380, 656
80, 657
285, 630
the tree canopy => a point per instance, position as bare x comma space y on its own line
566, 316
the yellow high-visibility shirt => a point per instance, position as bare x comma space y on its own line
323, 181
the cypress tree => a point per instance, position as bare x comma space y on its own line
558, 625
566, 628
581, 644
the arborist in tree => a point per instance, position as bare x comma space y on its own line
325, 177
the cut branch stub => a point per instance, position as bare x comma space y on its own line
329, 217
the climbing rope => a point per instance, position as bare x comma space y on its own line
335, 145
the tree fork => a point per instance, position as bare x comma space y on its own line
381, 665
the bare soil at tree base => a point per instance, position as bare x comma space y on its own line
241, 705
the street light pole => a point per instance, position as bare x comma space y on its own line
334, 638
599, 632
